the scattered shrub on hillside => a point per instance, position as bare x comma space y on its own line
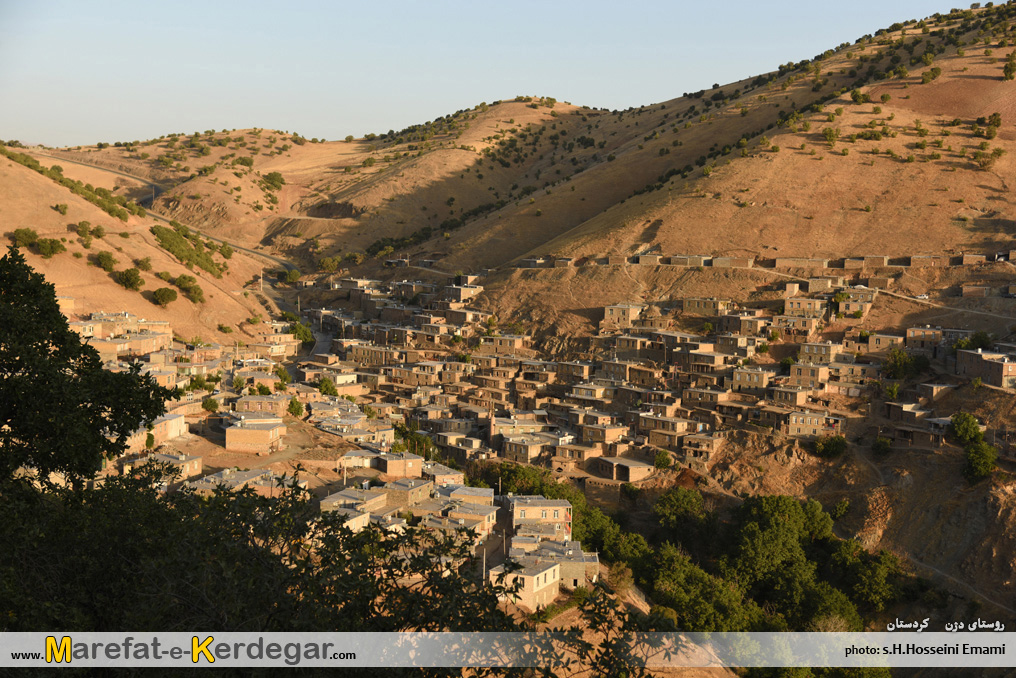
186, 247
164, 296
963, 427
188, 284
24, 237
47, 247
882, 446
106, 261
131, 279
840, 509
980, 461
114, 205
302, 332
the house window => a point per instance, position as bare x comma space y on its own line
556, 512
522, 513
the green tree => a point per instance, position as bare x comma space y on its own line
239, 383
131, 279
274, 180
60, 411
210, 405
144, 264
25, 237
980, 460
702, 601
882, 447
295, 407
327, 387
677, 507
164, 296
830, 446
965, 429
302, 332
292, 275
902, 365
149, 441
662, 460
226, 251
234, 561
840, 509
106, 261
48, 247
263, 390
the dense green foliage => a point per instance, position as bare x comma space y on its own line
772, 565
131, 279
48, 247
980, 457
965, 429
187, 247
164, 296
25, 237
830, 446
274, 180
980, 460
902, 365
115, 205
56, 400
302, 332
106, 261
327, 387
188, 284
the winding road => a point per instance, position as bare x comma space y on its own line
158, 190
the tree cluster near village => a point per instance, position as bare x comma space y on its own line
229, 562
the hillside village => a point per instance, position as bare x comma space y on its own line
408, 384
624, 303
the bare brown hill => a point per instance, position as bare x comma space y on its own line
890, 145
29, 200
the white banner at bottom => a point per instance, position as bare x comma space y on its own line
653, 650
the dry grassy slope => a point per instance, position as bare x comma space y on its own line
790, 202
26, 199
914, 503
813, 201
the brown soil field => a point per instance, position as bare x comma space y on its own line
27, 200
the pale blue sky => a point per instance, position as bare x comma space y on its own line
78, 72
